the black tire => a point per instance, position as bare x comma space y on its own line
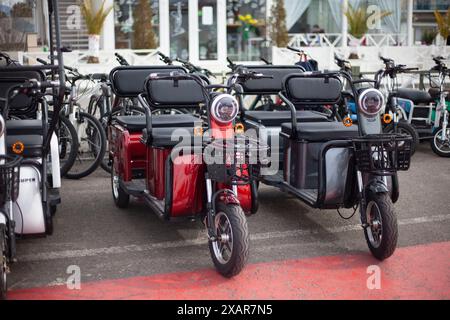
405, 128
98, 152
48, 219
240, 240
120, 197
438, 149
3, 263
67, 135
381, 210
53, 209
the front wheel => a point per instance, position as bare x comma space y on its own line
230, 251
441, 146
3, 263
381, 231
405, 128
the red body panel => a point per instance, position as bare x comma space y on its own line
188, 185
127, 151
187, 174
156, 169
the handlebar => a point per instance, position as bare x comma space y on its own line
266, 61
122, 61
295, 49
231, 64
165, 58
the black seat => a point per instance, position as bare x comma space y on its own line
277, 118
416, 96
170, 136
436, 95
32, 144
24, 127
320, 131
137, 123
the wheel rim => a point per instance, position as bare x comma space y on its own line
375, 227
442, 145
90, 146
115, 185
223, 246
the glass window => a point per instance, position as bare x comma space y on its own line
317, 18
207, 22
128, 16
179, 29
18, 18
246, 29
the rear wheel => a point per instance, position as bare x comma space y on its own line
230, 251
48, 218
439, 146
68, 144
405, 128
120, 197
92, 146
382, 231
3, 263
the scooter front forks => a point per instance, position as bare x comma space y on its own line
362, 199
11, 233
211, 207
211, 214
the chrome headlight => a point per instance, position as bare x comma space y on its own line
2, 126
224, 108
370, 102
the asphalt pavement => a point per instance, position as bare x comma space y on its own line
108, 243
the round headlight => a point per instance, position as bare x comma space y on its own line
371, 101
224, 108
2, 126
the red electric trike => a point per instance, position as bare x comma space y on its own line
185, 166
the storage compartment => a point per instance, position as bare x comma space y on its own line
28, 210
184, 175
129, 151
302, 170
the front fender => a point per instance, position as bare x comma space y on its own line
228, 198
377, 186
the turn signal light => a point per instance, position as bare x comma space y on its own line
18, 147
348, 122
239, 128
387, 118
198, 131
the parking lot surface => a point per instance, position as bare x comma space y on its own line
296, 252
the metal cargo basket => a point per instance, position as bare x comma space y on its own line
9, 178
383, 154
237, 161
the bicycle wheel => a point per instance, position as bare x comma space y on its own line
68, 143
92, 146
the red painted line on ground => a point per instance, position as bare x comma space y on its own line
419, 272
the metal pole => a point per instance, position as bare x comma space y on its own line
410, 23
344, 27
53, 5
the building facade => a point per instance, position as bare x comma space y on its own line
208, 31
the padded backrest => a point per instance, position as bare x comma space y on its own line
129, 81
169, 93
267, 85
313, 89
11, 78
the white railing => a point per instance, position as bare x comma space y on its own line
368, 57
335, 40
107, 59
